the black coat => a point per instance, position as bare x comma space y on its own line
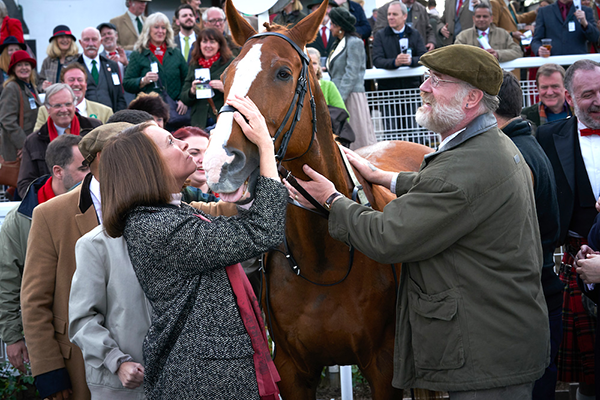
386, 46
105, 92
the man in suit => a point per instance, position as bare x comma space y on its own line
75, 76
129, 25
551, 88
185, 39
417, 18
457, 17
500, 42
571, 145
56, 363
110, 37
104, 83
567, 27
372, 20
324, 41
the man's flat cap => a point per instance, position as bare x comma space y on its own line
467, 63
93, 143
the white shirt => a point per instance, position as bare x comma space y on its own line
95, 192
82, 108
134, 21
487, 32
182, 41
327, 31
590, 152
88, 62
448, 139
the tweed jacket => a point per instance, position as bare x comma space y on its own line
456, 23
549, 24
197, 338
13, 245
420, 21
499, 39
33, 163
105, 91
346, 65
201, 110
108, 313
49, 69
465, 229
172, 72
12, 134
93, 110
502, 18
49, 266
128, 34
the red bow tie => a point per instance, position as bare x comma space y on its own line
590, 132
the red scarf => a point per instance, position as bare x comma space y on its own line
45, 193
159, 52
53, 133
266, 372
204, 63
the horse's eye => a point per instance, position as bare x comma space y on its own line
283, 74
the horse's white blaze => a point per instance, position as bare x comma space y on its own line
245, 72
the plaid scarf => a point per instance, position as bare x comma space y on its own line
544, 116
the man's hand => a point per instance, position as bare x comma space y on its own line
402, 59
492, 52
131, 374
318, 187
517, 35
430, 46
122, 56
580, 15
445, 32
62, 395
368, 170
589, 268
18, 355
543, 52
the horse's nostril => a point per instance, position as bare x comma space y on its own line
237, 164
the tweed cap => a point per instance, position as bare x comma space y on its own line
93, 143
342, 18
467, 63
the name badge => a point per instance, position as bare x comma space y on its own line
571, 26
32, 104
115, 78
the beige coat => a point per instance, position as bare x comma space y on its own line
500, 40
49, 266
501, 16
128, 34
94, 110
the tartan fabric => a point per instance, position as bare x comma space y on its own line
576, 353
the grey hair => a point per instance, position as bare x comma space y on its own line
205, 13
402, 6
488, 103
144, 39
584, 65
57, 87
484, 6
3, 10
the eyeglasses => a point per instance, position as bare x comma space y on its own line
435, 81
215, 21
58, 106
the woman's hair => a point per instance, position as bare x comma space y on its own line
54, 51
187, 131
210, 33
153, 19
314, 52
12, 77
4, 60
297, 6
151, 103
131, 178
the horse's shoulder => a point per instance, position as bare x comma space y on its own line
395, 155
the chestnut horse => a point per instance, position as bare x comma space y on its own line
351, 321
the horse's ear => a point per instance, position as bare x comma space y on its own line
241, 30
306, 30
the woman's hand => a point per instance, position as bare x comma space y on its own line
217, 84
181, 108
193, 87
46, 84
148, 78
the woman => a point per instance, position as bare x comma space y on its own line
198, 346
291, 14
330, 91
61, 51
155, 50
154, 105
346, 66
7, 48
214, 54
19, 99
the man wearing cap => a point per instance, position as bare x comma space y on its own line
62, 118
57, 364
112, 51
129, 25
64, 160
471, 316
75, 76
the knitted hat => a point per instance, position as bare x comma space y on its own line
11, 40
62, 30
470, 64
21, 56
342, 18
93, 143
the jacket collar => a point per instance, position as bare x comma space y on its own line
30, 201
85, 198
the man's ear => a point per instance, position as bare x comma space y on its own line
57, 172
474, 97
569, 99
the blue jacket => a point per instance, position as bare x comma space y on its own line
363, 28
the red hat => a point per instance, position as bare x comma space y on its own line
11, 27
21, 56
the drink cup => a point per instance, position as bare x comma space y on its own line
547, 43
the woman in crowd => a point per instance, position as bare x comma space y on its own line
7, 48
154, 105
330, 91
211, 51
204, 340
291, 14
155, 50
61, 51
346, 66
19, 105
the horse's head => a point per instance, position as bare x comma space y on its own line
267, 70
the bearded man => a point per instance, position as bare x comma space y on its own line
472, 319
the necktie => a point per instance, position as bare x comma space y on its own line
590, 132
186, 47
139, 24
94, 71
67, 131
460, 3
324, 35
483, 33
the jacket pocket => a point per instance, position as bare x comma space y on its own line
65, 350
436, 334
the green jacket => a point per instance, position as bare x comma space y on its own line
171, 72
201, 110
532, 113
471, 313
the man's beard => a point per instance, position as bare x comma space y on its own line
442, 117
585, 118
